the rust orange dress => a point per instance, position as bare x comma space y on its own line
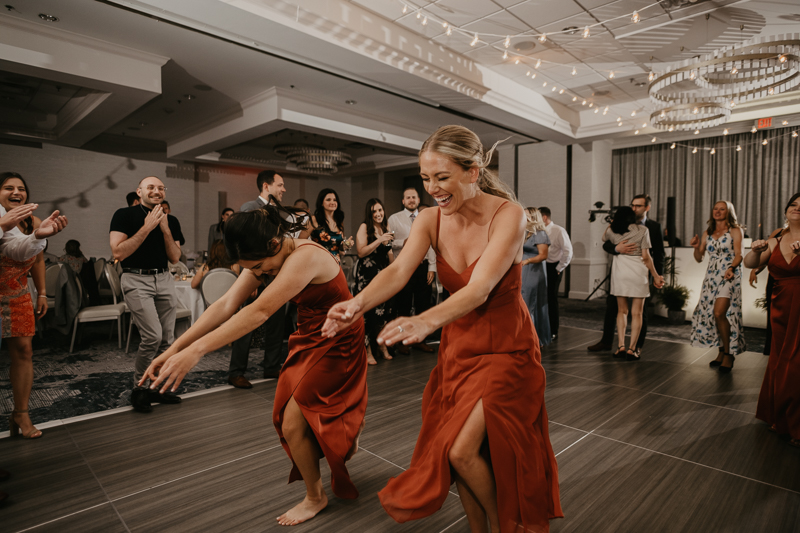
779, 400
493, 354
15, 299
328, 379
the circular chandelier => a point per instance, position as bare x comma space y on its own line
314, 159
718, 81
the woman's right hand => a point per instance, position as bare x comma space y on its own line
658, 282
759, 246
386, 238
753, 277
340, 317
695, 242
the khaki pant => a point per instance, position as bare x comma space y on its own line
153, 303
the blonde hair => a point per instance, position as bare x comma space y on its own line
731, 220
464, 148
536, 222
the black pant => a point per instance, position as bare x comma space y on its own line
610, 321
273, 347
416, 294
553, 283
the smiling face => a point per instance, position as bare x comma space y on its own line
377, 214
276, 189
720, 212
152, 192
13, 193
329, 203
793, 211
448, 183
410, 199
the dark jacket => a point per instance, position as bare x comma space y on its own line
656, 240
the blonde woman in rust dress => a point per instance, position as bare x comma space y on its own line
487, 389
629, 277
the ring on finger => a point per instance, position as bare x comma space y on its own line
400, 328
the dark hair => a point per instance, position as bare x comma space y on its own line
545, 211
131, 197
788, 205
623, 217
301, 200
166, 203
27, 224
645, 197
221, 223
319, 211
73, 248
372, 202
254, 235
217, 258
265, 176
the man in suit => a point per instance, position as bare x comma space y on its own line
641, 206
270, 185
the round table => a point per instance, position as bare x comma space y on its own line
191, 299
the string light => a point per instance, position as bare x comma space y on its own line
765, 142
636, 132
738, 147
671, 128
516, 61
785, 123
574, 98
733, 104
544, 84
445, 24
528, 73
419, 14
651, 76
753, 129
771, 90
538, 63
591, 104
533, 77
713, 151
633, 113
782, 58
619, 123
644, 124
611, 75
586, 32
425, 21
696, 110
673, 146
696, 132
694, 151
794, 134
405, 9
449, 31
692, 75
635, 17
474, 41
653, 140
583, 103
605, 111
553, 89
505, 54
574, 71
596, 109
507, 41
561, 91
542, 38
725, 132
734, 70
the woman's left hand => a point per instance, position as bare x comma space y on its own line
729, 274
405, 330
795, 247
41, 307
170, 372
659, 282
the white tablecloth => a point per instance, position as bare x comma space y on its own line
190, 298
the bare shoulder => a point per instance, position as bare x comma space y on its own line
509, 212
737, 232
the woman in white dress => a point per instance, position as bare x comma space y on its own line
629, 277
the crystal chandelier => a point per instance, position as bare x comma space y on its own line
313, 159
718, 81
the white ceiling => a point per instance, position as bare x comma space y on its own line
256, 68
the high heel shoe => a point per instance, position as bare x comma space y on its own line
727, 369
633, 354
715, 363
16, 430
620, 352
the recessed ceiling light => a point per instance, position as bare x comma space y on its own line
571, 30
48, 18
640, 84
350, 102
189, 96
524, 47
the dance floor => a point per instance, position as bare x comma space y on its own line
664, 444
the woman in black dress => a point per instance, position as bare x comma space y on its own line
374, 245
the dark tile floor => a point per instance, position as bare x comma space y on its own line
664, 444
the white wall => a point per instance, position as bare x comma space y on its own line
542, 178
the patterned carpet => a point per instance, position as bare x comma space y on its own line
98, 375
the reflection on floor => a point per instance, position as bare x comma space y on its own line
664, 444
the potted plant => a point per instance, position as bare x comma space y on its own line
673, 296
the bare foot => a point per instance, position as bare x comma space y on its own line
354, 448
385, 353
305, 510
370, 358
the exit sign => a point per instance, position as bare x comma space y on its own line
764, 123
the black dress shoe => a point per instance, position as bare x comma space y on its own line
140, 400
599, 347
167, 397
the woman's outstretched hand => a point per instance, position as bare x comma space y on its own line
695, 242
340, 317
405, 330
167, 371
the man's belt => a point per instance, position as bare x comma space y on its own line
144, 271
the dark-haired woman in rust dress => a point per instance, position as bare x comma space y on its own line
487, 389
779, 400
321, 395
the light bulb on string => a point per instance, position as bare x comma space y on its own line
574, 71
725, 131
794, 134
619, 119
713, 151
782, 58
605, 111
771, 90
419, 14
733, 104
633, 113
692, 75
753, 129
644, 124
544, 84
516, 61
694, 151
651, 76
619, 123
561, 91
449, 31
785, 123
672, 147
586, 32
696, 110
591, 104
738, 147
474, 40
505, 54
653, 140
583, 103
734, 71
611, 75
635, 17
528, 73
507, 41
697, 132
765, 142
596, 109
542, 37
663, 114
672, 128
425, 21
553, 89
533, 76
405, 9
636, 132
574, 98
538, 63
444, 25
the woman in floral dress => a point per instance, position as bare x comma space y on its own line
374, 245
327, 225
717, 319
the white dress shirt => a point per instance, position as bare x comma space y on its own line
400, 224
560, 250
16, 245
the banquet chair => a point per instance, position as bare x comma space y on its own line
216, 283
51, 283
99, 313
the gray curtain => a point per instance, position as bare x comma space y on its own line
758, 180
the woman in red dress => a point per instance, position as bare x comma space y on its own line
484, 423
779, 401
19, 322
321, 395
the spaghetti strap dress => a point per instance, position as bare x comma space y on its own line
493, 354
779, 400
327, 378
